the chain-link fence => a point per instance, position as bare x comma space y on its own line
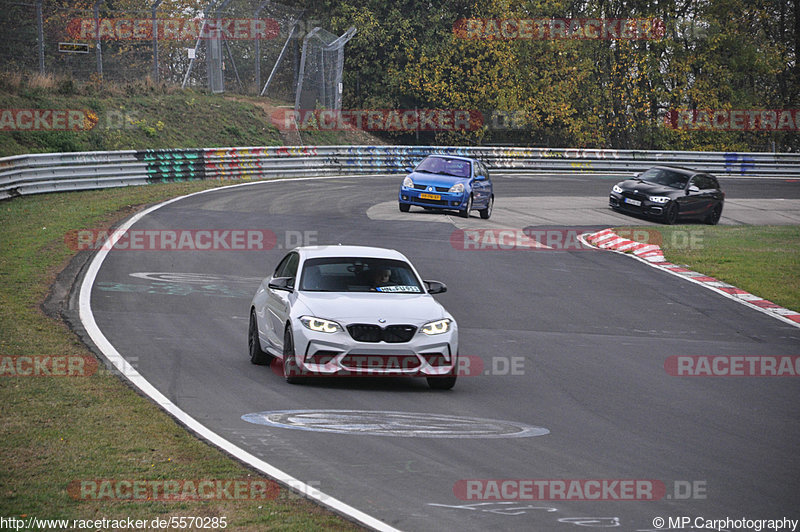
321, 65
81, 39
241, 43
244, 46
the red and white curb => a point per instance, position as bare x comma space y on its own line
652, 255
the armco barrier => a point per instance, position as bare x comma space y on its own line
52, 172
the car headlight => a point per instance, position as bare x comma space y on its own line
436, 327
617, 189
408, 182
320, 325
458, 188
659, 199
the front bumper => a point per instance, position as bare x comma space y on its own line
424, 198
338, 354
645, 208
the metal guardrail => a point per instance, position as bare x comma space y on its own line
55, 172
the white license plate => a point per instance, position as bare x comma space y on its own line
633, 202
430, 196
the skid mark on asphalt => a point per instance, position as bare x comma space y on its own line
173, 289
185, 284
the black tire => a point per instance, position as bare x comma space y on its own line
715, 214
465, 212
442, 383
671, 213
291, 371
485, 213
257, 356
405, 207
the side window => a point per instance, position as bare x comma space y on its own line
281, 266
711, 181
485, 170
284, 268
702, 182
291, 268
480, 169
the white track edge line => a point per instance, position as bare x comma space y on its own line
701, 283
135, 378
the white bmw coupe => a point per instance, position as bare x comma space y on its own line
350, 311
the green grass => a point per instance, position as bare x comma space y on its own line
142, 120
763, 260
57, 430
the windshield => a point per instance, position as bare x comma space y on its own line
352, 274
660, 176
443, 165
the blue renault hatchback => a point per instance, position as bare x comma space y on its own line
448, 182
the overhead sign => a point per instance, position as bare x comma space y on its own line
73, 47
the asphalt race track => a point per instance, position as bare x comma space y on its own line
572, 343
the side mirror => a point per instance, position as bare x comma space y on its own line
282, 283
435, 287
693, 188
480, 178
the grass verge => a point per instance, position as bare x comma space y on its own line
145, 115
148, 120
58, 430
763, 260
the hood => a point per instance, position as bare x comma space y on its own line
437, 180
357, 307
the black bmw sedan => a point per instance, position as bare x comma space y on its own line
669, 193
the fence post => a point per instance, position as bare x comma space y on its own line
277, 62
154, 8
99, 49
299, 88
206, 11
257, 12
40, 30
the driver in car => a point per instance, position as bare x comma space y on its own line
381, 277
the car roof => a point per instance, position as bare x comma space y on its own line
445, 156
367, 252
679, 169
